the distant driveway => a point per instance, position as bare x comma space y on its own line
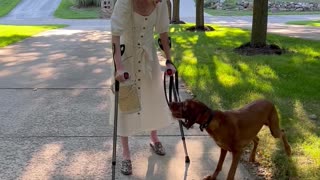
34, 9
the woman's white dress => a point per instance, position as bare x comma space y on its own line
141, 61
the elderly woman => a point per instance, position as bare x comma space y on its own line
133, 24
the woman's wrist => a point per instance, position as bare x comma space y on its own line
168, 61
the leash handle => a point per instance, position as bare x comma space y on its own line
169, 72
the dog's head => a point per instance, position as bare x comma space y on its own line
190, 110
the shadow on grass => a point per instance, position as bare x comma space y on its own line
224, 79
5, 40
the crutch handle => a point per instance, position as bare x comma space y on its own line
169, 72
126, 75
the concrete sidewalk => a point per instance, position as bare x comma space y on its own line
55, 99
54, 91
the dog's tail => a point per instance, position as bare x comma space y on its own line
274, 123
277, 132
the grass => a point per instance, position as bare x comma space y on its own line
7, 6
249, 13
67, 11
10, 34
305, 23
224, 79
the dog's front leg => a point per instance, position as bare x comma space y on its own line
235, 160
223, 154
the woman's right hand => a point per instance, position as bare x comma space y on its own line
121, 76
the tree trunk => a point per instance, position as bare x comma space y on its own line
200, 15
169, 9
259, 23
176, 12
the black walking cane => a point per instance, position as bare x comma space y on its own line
174, 88
115, 124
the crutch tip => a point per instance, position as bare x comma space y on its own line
187, 159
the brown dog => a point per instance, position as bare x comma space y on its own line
232, 130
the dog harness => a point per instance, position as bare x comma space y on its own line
206, 124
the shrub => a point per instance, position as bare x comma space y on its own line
86, 3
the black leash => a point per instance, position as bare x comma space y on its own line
173, 85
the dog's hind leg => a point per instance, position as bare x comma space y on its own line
252, 157
277, 132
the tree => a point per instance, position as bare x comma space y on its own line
200, 18
169, 9
259, 23
176, 13
200, 15
258, 43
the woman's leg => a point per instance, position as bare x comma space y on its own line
156, 144
154, 136
126, 166
125, 148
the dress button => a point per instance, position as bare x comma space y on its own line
141, 36
139, 70
139, 61
138, 87
139, 79
145, 18
138, 113
144, 28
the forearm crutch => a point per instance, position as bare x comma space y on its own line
174, 88
115, 120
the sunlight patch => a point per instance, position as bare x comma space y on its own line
266, 72
226, 74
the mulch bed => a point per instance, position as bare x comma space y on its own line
205, 28
247, 49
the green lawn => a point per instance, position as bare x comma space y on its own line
12, 34
224, 79
249, 13
67, 11
306, 23
7, 5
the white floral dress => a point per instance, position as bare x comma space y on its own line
141, 61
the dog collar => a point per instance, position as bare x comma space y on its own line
206, 124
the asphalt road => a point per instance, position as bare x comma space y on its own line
32, 9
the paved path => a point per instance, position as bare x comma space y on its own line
33, 9
55, 98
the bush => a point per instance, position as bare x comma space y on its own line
86, 3
229, 4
